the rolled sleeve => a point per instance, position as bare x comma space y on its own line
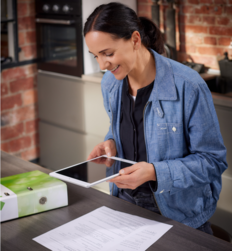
163, 177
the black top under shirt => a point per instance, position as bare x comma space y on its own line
131, 129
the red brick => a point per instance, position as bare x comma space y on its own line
11, 132
220, 1
22, 84
22, 9
30, 97
191, 39
5, 147
31, 69
26, 23
210, 40
194, 29
32, 126
187, 9
30, 37
206, 1
187, 48
211, 51
209, 61
13, 73
35, 139
21, 38
223, 20
30, 154
31, 8
208, 20
11, 102
145, 1
224, 41
229, 10
194, 19
19, 115
193, 1
29, 51
144, 10
4, 89
224, 31
20, 144
205, 9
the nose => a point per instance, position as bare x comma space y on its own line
103, 63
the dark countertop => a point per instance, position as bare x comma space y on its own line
17, 234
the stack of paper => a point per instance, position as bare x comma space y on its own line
104, 229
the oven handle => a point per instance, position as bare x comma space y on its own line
54, 21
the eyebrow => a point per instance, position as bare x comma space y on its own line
100, 51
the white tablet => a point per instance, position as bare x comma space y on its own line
91, 172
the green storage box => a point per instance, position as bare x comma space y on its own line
30, 193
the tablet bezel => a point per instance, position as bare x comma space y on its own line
83, 183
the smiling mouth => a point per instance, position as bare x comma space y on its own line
115, 68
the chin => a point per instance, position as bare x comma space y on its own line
119, 76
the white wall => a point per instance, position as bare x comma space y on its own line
88, 6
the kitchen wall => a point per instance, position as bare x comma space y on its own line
204, 28
19, 123
204, 31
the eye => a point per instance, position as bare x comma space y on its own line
110, 55
95, 57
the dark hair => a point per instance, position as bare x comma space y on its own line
121, 21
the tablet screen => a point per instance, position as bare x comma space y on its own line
91, 171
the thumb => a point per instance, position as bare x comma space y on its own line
128, 170
108, 150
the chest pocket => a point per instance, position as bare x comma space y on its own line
170, 140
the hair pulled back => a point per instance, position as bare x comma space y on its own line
121, 21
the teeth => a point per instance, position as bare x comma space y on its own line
115, 68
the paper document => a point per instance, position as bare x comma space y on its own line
104, 229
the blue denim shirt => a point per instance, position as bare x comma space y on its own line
183, 140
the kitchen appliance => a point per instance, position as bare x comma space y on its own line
224, 82
59, 36
72, 118
29, 193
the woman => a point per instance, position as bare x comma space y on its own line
162, 116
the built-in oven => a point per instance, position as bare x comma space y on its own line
59, 36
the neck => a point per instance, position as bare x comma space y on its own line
143, 72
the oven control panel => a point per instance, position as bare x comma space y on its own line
55, 7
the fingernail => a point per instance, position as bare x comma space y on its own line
108, 154
121, 171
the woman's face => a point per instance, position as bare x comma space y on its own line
115, 55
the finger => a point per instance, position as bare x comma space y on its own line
121, 179
124, 186
110, 148
108, 151
129, 169
96, 152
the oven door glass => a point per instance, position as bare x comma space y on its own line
60, 45
60, 48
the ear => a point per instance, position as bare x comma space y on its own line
136, 40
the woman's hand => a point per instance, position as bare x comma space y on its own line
133, 176
107, 147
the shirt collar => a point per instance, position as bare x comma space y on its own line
164, 85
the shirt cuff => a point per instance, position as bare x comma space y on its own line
153, 184
163, 175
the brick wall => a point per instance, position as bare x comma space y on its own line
19, 118
204, 28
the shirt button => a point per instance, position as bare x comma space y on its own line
162, 191
134, 129
174, 129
